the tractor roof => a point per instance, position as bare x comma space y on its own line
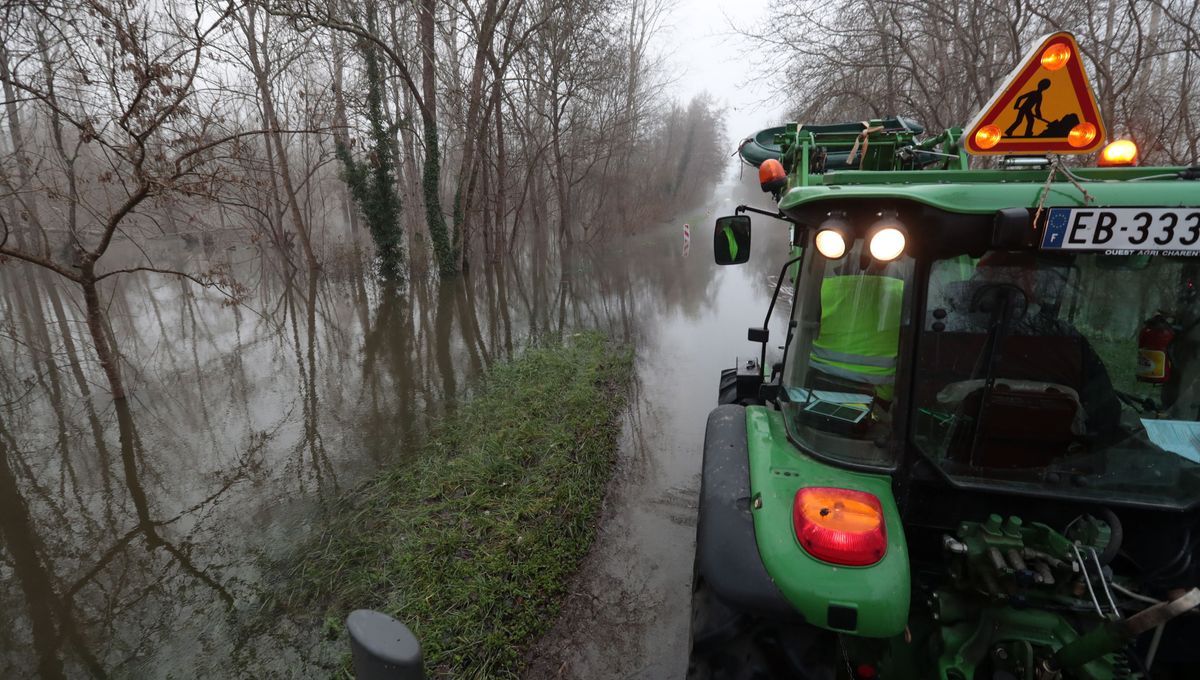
986, 191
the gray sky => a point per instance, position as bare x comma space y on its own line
703, 53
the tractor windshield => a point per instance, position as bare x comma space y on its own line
1077, 375
840, 373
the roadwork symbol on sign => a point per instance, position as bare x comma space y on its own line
1044, 106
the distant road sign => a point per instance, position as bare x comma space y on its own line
1044, 106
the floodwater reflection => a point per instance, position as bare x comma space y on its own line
134, 531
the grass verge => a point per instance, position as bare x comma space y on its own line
473, 543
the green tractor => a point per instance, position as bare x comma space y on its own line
979, 455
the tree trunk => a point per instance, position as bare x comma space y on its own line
96, 326
22, 158
560, 178
21, 543
463, 194
261, 79
501, 187
443, 247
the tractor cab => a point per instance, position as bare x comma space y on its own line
1023, 365
979, 455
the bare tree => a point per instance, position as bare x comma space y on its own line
124, 87
940, 61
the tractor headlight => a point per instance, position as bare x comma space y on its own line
833, 238
831, 243
887, 244
887, 238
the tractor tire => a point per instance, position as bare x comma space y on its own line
727, 390
730, 645
742, 628
717, 653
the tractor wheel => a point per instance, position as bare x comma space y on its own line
731, 645
718, 648
727, 390
742, 626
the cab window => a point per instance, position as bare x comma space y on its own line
840, 373
1040, 370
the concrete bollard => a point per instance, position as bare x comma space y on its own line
383, 648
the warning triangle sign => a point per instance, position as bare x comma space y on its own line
1044, 106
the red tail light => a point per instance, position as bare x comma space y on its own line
841, 526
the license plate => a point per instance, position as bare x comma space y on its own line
1125, 230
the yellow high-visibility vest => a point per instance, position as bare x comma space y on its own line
860, 330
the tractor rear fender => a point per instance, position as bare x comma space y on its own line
870, 601
726, 554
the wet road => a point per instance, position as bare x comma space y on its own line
149, 556
629, 611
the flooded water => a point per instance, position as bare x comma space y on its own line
628, 615
144, 556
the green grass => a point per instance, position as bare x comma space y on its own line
473, 543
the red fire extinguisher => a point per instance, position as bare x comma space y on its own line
1154, 344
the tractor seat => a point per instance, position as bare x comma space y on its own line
1026, 423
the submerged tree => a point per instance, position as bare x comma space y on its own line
119, 93
346, 19
537, 120
372, 181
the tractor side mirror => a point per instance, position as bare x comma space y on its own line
731, 239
